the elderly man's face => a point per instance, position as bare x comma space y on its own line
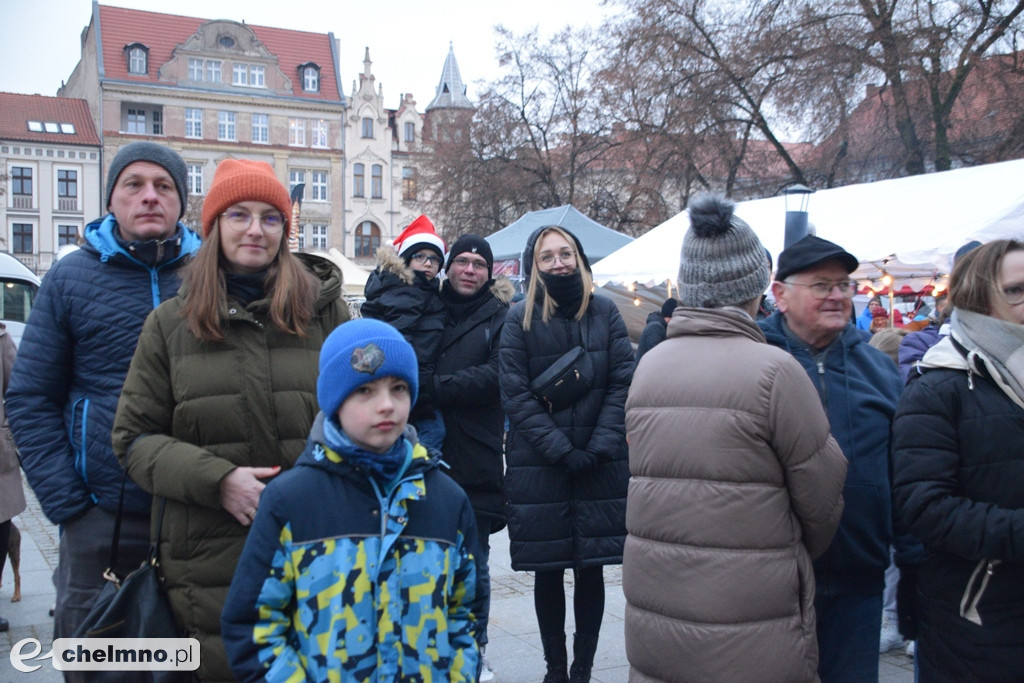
815, 321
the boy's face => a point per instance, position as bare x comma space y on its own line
426, 261
374, 415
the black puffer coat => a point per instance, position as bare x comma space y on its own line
558, 519
958, 451
466, 389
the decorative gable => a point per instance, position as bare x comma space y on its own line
244, 61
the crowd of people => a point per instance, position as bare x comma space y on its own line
781, 479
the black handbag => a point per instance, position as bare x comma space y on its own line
566, 380
135, 607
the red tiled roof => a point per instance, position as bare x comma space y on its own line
17, 110
161, 33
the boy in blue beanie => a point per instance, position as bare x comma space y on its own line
359, 560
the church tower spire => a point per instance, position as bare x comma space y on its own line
451, 92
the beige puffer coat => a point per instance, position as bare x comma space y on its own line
736, 485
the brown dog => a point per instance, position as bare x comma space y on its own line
13, 551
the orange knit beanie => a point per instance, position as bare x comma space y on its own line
242, 180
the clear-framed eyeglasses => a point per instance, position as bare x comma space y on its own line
566, 256
239, 221
427, 258
822, 289
463, 262
1013, 294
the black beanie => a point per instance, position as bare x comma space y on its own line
475, 245
162, 156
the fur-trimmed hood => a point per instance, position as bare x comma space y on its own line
388, 261
503, 289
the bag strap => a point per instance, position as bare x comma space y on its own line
111, 574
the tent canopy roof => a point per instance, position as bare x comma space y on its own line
922, 219
598, 241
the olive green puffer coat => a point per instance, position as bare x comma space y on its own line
191, 412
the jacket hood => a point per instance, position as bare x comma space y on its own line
99, 237
772, 326
327, 273
388, 261
532, 242
503, 289
944, 355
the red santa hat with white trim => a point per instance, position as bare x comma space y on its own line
418, 235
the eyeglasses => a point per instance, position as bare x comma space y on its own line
427, 258
1013, 294
822, 290
272, 223
566, 256
463, 262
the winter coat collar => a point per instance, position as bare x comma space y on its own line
99, 237
713, 322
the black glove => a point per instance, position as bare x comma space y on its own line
906, 603
578, 460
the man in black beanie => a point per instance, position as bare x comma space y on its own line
466, 389
73, 359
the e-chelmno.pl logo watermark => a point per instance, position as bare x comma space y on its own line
108, 654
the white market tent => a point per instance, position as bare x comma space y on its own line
353, 277
921, 220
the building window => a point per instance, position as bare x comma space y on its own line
297, 132
21, 181
67, 234
311, 79
21, 238
296, 178
300, 237
367, 240
319, 231
367, 127
195, 179
204, 70
319, 183
251, 75
377, 181
260, 128
226, 125
409, 183
136, 121
67, 190
410, 132
137, 60
213, 71
358, 180
318, 133
195, 69
193, 123
158, 123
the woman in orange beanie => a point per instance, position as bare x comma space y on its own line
221, 392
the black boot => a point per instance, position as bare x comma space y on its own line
556, 658
583, 649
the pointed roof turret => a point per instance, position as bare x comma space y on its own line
451, 93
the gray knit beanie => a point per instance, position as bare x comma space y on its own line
723, 262
166, 157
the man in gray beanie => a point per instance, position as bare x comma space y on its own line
73, 358
737, 482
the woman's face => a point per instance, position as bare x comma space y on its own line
1008, 302
555, 255
250, 236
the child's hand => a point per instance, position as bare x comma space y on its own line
240, 491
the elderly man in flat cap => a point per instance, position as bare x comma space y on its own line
859, 390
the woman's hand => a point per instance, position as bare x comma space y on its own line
240, 491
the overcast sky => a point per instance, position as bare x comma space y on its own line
408, 39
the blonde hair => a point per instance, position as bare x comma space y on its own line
291, 287
536, 288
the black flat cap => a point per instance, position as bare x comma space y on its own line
809, 251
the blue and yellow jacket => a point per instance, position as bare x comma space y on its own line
343, 579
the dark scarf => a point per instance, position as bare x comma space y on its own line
246, 287
566, 290
384, 467
151, 252
460, 306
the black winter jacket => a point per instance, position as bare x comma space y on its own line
958, 447
558, 519
466, 388
653, 334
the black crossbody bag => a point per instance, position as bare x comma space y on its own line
567, 379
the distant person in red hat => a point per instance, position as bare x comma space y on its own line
404, 291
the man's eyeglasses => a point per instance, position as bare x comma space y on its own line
822, 290
463, 262
427, 258
272, 223
565, 256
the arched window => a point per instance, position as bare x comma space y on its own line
311, 79
367, 240
358, 180
377, 182
138, 58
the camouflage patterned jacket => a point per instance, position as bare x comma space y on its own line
343, 579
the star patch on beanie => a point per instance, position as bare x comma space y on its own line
418, 235
723, 262
361, 351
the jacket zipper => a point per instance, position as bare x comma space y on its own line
969, 606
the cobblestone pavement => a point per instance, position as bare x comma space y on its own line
514, 650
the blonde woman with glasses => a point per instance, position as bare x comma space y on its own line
221, 392
567, 462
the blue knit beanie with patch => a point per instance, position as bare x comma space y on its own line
361, 351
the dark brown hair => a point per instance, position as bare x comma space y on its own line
291, 287
975, 277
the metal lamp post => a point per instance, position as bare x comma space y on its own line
797, 196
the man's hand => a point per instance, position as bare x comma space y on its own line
240, 491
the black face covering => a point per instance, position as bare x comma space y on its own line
246, 287
566, 290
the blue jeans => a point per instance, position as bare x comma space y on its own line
430, 431
483, 558
848, 636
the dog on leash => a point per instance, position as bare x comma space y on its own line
13, 551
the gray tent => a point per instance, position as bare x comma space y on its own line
598, 241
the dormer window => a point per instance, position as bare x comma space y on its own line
138, 58
310, 77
